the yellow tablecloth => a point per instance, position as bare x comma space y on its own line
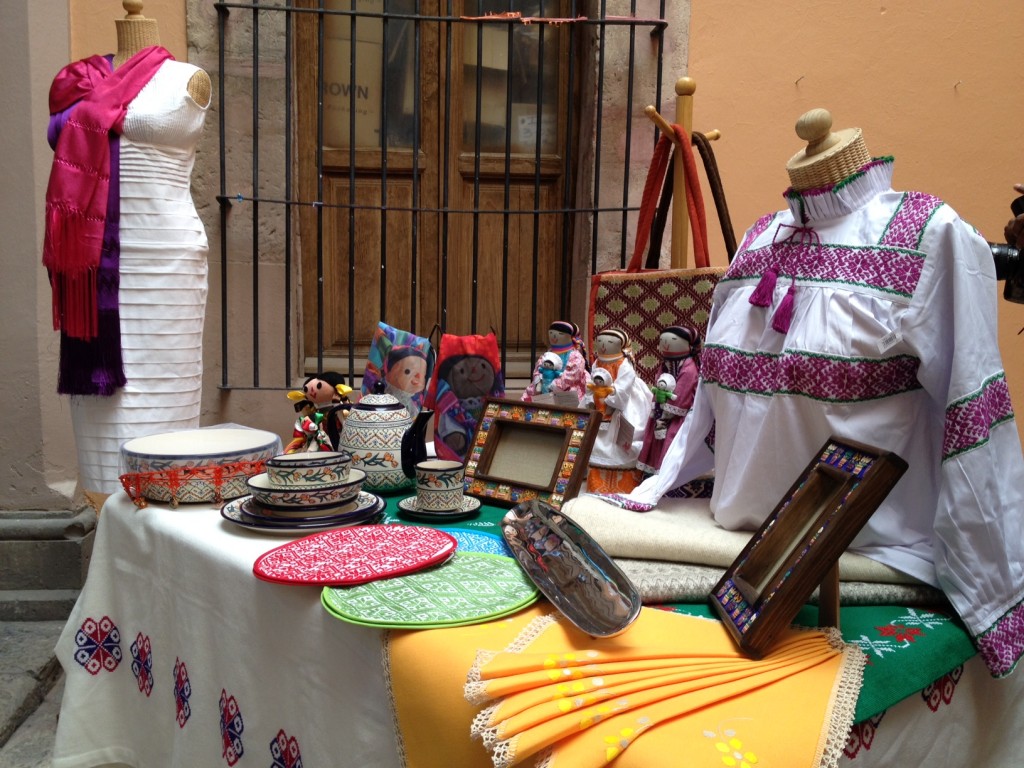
548, 695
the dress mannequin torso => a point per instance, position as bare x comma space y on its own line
162, 272
890, 338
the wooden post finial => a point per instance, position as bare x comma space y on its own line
686, 86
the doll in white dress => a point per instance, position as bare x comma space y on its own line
627, 408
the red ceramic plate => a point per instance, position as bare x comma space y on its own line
349, 556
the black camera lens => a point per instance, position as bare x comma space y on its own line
1006, 258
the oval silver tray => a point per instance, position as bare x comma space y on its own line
571, 569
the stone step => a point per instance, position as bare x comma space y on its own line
28, 670
44, 550
36, 604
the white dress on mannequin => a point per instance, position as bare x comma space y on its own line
163, 282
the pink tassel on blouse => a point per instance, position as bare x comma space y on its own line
765, 290
783, 316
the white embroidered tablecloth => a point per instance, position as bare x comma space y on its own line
177, 655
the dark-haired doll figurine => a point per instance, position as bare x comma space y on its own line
679, 346
563, 340
325, 397
626, 411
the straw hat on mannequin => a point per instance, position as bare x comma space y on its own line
829, 157
135, 32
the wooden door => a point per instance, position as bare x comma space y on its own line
457, 218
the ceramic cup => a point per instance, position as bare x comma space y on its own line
439, 485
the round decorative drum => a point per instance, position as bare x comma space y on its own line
196, 465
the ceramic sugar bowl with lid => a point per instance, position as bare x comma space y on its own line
382, 436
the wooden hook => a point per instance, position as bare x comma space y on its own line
713, 135
664, 125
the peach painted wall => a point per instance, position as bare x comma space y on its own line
93, 31
937, 84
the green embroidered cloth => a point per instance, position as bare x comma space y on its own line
469, 588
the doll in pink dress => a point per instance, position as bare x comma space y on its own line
563, 340
679, 346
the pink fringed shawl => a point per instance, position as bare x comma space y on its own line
76, 196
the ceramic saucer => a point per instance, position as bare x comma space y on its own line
411, 509
363, 501
232, 512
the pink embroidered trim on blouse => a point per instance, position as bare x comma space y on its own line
970, 420
884, 269
1002, 645
818, 377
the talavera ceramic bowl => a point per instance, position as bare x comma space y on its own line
310, 468
275, 497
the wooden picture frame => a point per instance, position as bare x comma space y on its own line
524, 451
797, 548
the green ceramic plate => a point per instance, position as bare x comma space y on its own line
470, 588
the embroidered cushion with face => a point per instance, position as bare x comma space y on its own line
470, 376
406, 369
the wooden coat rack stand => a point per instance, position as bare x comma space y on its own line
685, 88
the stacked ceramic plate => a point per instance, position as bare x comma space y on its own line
303, 493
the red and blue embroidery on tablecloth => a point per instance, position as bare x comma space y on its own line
142, 663
231, 727
284, 750
182, 693
98, 645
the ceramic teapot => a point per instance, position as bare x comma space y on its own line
385, 441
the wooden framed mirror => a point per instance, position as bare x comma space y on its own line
525, 451
797, 548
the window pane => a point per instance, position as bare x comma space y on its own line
380, 56
529, 72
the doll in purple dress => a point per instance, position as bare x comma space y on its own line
673, 394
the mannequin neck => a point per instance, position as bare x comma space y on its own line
132, 36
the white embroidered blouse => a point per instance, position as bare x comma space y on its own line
891, 342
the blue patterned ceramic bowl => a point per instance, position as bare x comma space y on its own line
281, 497
312, 468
